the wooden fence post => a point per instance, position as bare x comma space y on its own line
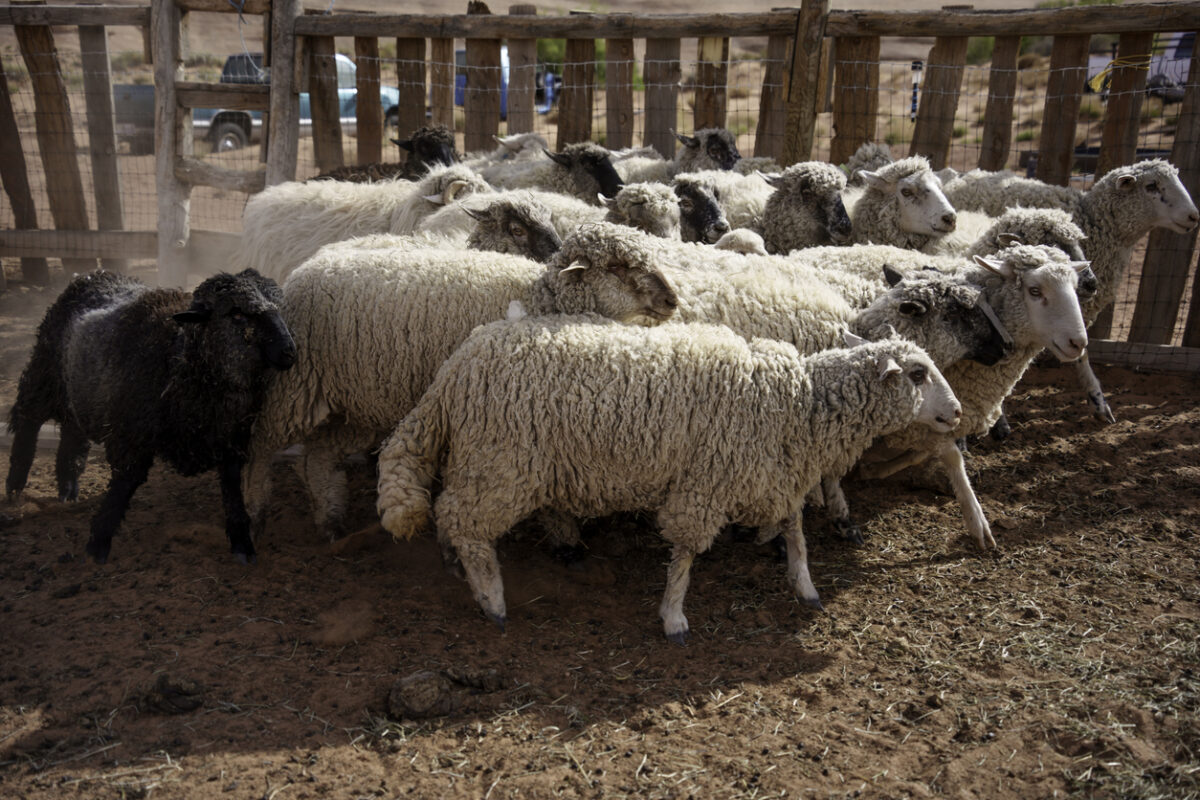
410, 78
772, 114
855, 96
662, 71
1064, 93
284, 115
481, 100
1002, 93
55, 134
804, 87
1118, 143
441, 81
369, 126
522, 77
712, 83
15, 177
618, 85
174, 196
1169, 255
324, 104
578, 91
939, 98
102, 139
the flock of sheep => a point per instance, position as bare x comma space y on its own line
711, 338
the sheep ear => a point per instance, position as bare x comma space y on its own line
558, 158
887, 366
913, 308
888, 332
852, 340
406, 144
689, 141
1079, 266
607, 202
452, 191
892, 275
772, 180
1009, 239
993, 265
194, 314
1126, 183
475, 214
874, 180
505, 145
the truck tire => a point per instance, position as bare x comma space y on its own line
228, 136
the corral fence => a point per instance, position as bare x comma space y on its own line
796, 84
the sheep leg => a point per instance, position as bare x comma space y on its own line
256, 492
1000, 430
483, 574
20, 457
237, 521
956, 469
70, 460
126, 478
884, 469
797, 556
675, 624
839, 511
325, 478
1095, 393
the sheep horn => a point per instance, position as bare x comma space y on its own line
852, 340
887, 366
575, 265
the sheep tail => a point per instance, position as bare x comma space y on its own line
408, 463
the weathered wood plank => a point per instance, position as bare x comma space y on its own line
15, 178
174, 197
369, 124
522, 76
441, 81
998, 115
92, 244
662, 72
75, 15
226, 7
410, 78
481, 99
55, 134
102, 138
284, 120
1157, 358
1118, 142
247, 97
1064, 94
939, 99
194, 172
772, 111
573, 26
855, 95
578, 91
1169, 255
712, 83
618, 85
326, 108
804, 87
1073, 21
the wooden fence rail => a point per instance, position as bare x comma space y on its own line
813, 54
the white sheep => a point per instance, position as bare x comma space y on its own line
1033, 292
514, 147
869, 156
286, 223
690, 421
1119, 209
374, 317
805, 209
583, 170
902, 205
709, 149
503, 222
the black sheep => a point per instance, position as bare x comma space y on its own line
151, 372
427, 147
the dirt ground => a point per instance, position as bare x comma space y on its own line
1065, 664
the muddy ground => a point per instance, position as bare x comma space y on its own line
1063, 664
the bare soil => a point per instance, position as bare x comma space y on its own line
1064, 664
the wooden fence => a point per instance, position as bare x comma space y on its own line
817, 60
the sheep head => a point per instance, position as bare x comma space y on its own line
701, 218
237, 321
910, 185
590, 168
516, 224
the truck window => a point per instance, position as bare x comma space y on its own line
345, 72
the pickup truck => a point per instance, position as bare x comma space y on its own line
228, 129
1168, 67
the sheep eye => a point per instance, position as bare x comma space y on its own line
906, 192
716, 194
685, 205
1035, 291
237, 316
1151, 187
917, 376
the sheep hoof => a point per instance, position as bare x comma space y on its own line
1000, 430
961, 444
69, 492
245, 559
1101, 411
849, 531
815, 602
679, 637
98, 552
499, 619
14, 495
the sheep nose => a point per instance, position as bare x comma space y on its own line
950, 219
958, 413
721, 227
